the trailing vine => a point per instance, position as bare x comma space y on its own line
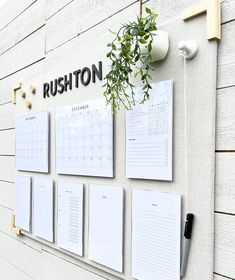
130, 52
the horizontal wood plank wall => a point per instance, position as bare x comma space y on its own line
66, 24
225, 149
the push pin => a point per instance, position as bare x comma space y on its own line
29, 104
22, 94
188, 49
32, 89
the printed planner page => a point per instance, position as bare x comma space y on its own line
149, 135
70, 217
156, 229
84, 139
32, 142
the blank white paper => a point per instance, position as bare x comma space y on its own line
156, 219
84, 139
32, 142
70, 217
106, 226
23, 202
149, 134
43, 208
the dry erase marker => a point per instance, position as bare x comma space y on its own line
187, 237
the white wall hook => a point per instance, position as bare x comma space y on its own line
188, 49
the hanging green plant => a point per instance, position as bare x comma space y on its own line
130, 53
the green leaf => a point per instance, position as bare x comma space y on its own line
141, 33
112, 31
137, 57
147, 26
142, 41
148, 11
146, 37
149, 47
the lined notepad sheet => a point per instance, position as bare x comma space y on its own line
70, 217
32, 142
84, 139
156, 219
106, 226
43, 208
149, 134
23, 202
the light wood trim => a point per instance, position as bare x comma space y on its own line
14, 89
213, 20
14, 229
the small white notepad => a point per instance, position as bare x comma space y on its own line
156, 235
106, 226
43, 208
70, 217
23, 202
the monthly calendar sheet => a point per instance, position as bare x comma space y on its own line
149, 135
84, 139
32, 142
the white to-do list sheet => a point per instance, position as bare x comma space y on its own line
156, 226
149, 134
70, 217
84, 139
32, 142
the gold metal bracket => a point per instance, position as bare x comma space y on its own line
213, 18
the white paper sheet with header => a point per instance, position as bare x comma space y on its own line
149, 134
156, 220
106, 226
43, 208
84, 139
32, 142
23, 202
70, 217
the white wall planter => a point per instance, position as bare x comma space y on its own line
160, 46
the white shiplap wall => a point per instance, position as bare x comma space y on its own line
30, 30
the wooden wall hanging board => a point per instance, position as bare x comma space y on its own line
198, 194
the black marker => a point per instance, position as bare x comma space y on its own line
187, 237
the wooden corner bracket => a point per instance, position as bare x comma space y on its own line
14, 229
14, 89
213, 19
